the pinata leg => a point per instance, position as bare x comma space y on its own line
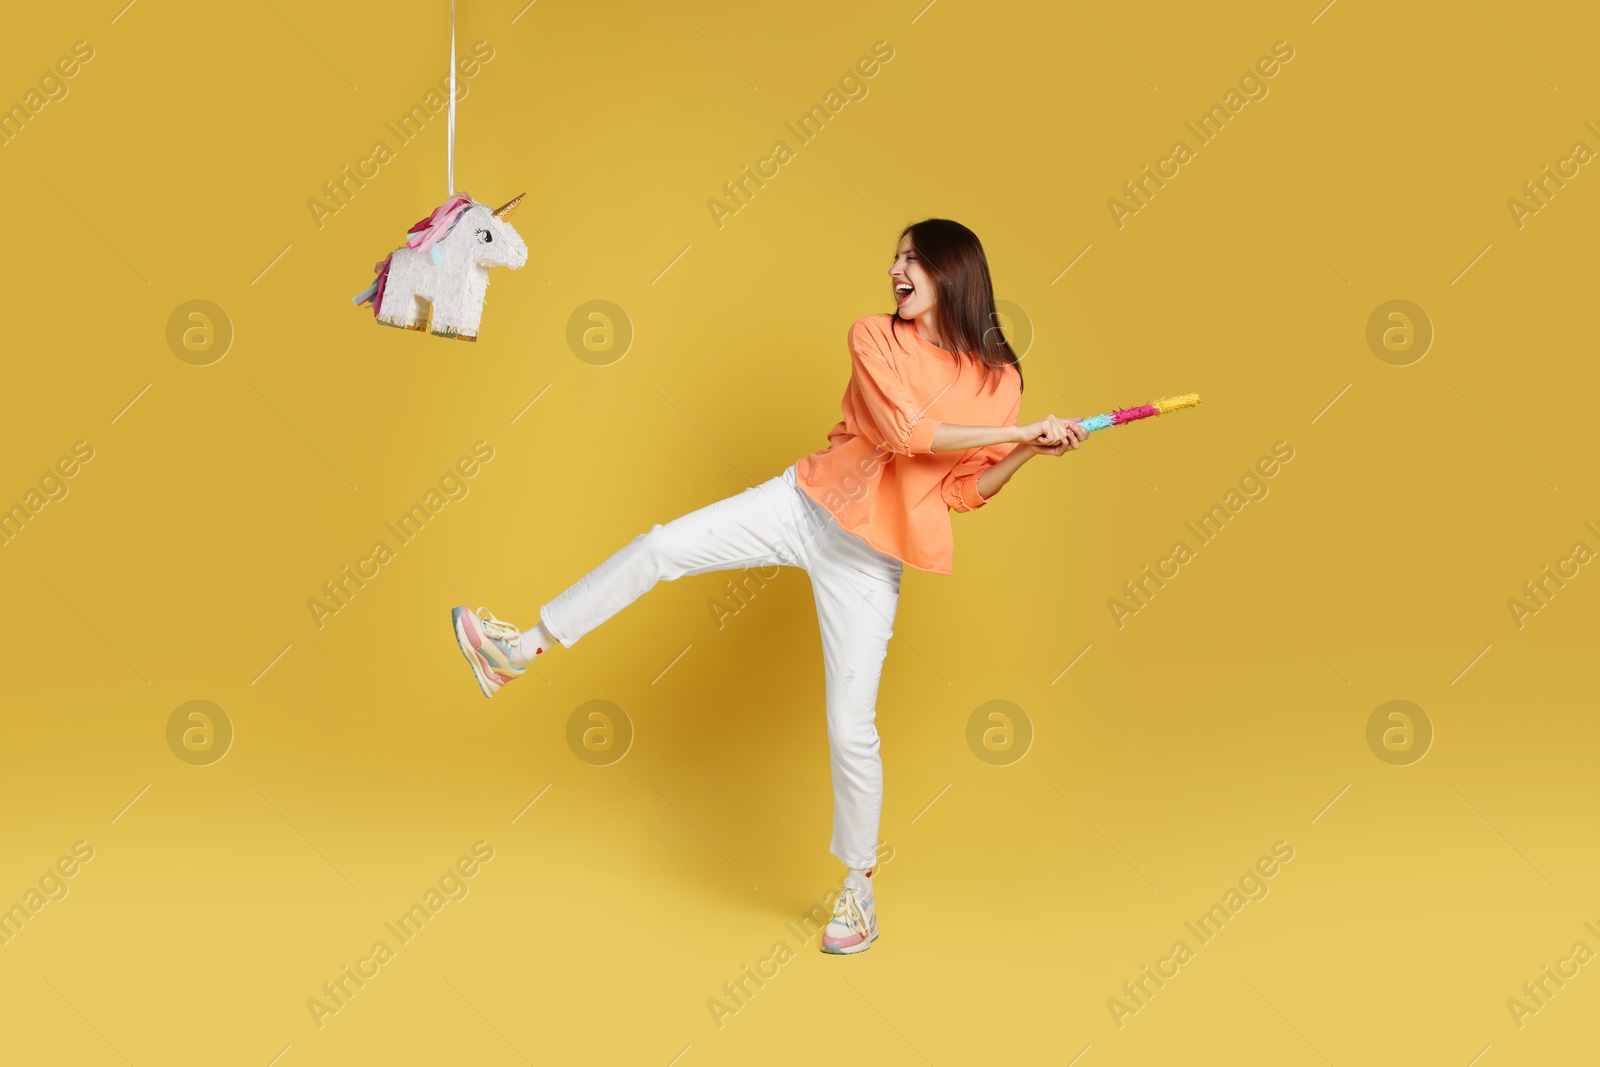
407, 311
403, 304
458, 311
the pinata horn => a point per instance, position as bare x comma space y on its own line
503, 213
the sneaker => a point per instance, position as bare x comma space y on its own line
487, 643
854, 926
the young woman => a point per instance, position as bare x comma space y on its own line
930, 426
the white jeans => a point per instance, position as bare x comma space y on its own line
856, 588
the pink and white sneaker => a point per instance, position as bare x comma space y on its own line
854, 926
487, 642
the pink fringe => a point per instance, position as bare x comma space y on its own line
1143, 411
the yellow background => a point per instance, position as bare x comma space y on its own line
1222, 718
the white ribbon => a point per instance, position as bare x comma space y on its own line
450, 143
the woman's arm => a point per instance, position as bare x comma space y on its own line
991, 480
954, 437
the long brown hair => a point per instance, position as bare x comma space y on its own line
953, 255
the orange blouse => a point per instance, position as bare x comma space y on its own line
877, 476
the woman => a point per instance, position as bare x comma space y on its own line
929, 427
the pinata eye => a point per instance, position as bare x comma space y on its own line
484, 236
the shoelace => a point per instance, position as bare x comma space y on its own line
849, 907
498, 628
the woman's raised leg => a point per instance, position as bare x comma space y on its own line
757, 527
761, 526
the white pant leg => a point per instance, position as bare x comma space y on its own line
857, 589
758, 527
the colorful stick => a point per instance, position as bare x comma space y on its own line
1144, 411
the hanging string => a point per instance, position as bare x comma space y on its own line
450, 145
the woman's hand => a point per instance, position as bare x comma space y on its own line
1051, 435
1072, 437
1047, 431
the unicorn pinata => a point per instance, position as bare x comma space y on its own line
438, 279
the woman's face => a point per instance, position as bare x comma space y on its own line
913, 287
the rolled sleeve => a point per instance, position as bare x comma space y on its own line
920, 439
888, 401
960, 486
960, 490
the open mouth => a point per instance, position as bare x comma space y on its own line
903, 291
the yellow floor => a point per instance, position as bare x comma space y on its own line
1199, 832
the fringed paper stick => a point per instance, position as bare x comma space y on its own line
1143, 411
